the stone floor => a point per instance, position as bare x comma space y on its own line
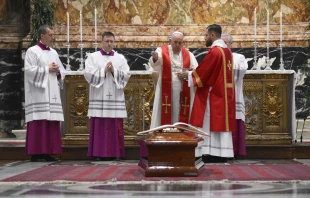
180, 189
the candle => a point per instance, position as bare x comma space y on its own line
267, 25
81, 26
68, 27
255, 24
95, 25
281, 27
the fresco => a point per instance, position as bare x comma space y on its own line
150, 12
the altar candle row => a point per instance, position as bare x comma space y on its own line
81, 26
268, 29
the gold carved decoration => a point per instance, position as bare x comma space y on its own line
76, 125
253, 95
266, 117
266, 107
139, 94
273, 108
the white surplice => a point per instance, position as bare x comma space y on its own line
177, 65
42, 94
240, 67
107, 98
218, 143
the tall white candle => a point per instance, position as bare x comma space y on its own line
255, 24
68, 19
81, 26
267, 25
281, 27
95, 25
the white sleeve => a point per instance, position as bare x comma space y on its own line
158, 64
243, 64
190, 79
95, 76
121, 76
193, 61
35, 74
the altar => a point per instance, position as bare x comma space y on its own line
269, 103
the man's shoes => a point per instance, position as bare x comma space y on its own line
37, 158
49, 158
213, 159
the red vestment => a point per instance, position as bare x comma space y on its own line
216, 71
166, 101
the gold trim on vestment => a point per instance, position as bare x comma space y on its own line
226, 85
197, 79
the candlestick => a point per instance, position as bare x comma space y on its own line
96, 43
255, 66
95, 25
281, 45
68, 68
255, 24
81, 32
68, 19
281, 26
267, 25
268, 45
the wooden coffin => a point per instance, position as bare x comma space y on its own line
170, 155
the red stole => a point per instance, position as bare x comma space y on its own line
166, 102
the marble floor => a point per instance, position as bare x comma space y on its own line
180, 189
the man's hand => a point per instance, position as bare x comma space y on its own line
53, 67
182, 75
155, 56
109, 67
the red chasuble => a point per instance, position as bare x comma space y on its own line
166, 100
216, 71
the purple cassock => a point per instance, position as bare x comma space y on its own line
43, 137
239, 139
106, 137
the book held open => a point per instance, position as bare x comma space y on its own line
176, 127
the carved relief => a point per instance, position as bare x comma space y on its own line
77, 109
139, 94
253, 95
273, 107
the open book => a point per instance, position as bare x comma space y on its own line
181, 126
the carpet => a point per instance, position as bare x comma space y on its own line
209, 172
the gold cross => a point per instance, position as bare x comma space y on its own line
185, 106
166, 104
229, 65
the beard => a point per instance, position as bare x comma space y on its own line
209, 42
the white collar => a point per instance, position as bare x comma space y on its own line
220, 43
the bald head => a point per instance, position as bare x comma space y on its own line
176, 42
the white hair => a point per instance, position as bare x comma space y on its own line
176, 32
230, 39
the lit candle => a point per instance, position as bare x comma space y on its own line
267, 25
95, 25
281, 27
255, 24
68, 27
81, 25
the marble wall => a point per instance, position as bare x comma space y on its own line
138, 25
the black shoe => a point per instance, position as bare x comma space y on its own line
38, 158
48, 158
213, 159
97, 158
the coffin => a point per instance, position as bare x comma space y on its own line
170, 154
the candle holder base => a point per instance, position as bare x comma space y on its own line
95, 45
255, 67
281, 66
68, 68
